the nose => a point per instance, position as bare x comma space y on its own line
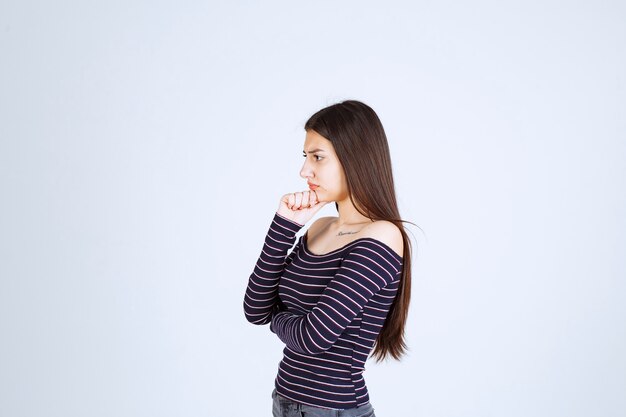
306, 171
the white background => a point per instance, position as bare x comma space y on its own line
144, 147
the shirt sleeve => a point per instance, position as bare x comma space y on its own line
261, 295
364, 271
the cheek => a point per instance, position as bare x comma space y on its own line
341, 178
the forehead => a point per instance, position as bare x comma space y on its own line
314, 140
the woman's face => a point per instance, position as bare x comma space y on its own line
322, 168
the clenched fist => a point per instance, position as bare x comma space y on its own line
300, 206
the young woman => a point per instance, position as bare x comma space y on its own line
344, 289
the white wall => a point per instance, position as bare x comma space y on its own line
144, 147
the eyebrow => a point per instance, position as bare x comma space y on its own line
314, 150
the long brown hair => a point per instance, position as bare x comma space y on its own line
361, 146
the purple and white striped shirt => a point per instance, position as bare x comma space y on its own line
328, 310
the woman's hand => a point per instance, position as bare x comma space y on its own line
300, 207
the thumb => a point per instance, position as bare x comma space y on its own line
318, 206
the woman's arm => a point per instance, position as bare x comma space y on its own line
262, 292
366, 269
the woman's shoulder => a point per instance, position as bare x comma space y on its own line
386, 232
381, 230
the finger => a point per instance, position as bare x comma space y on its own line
291, 202
298, 204
306, 199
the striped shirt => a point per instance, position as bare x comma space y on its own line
328, 310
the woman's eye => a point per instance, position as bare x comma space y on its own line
317, 157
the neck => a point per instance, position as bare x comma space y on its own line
349, 216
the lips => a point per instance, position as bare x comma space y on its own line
312, 186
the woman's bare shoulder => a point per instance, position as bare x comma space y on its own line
386, 232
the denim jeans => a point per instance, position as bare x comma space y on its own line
283, 407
